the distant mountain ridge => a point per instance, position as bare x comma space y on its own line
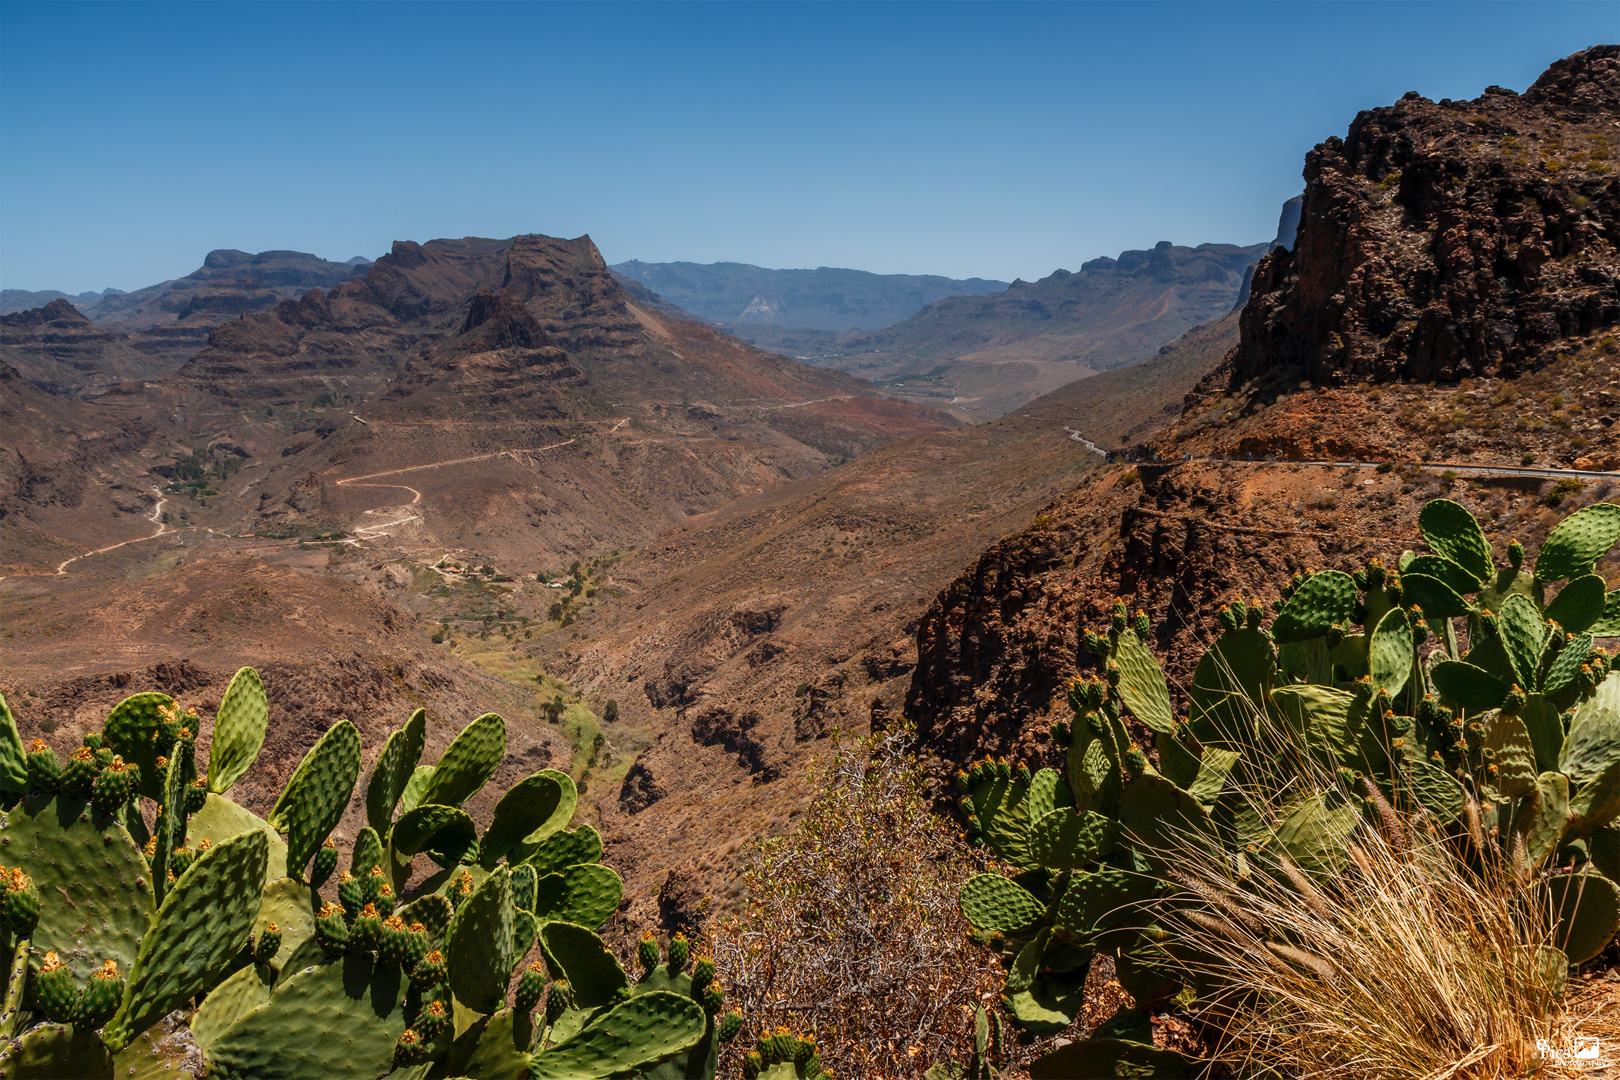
826, 298
170, 321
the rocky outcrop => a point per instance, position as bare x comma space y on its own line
1444, 240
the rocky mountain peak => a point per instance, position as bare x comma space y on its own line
1442, 240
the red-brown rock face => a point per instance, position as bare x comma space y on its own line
1442, 241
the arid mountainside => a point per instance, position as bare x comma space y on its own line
59, 350
164, 325
998, 646
982, 356
742, 297
73, 647
509, 396
70, 468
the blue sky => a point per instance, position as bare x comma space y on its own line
995, 140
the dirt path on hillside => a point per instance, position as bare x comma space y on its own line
156, 517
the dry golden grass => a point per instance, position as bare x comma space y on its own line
1411, 957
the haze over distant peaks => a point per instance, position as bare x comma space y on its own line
826, 298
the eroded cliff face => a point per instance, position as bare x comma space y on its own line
1438, 243
1442, 241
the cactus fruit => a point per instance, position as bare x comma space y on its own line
114, 785
365, 933
711, 997
394, 945
462, 889
268, 944
702, 972
384, 902
680, 950
647, 951
102, 996
531, 986
326, 860
55, 991
44, 770
21, 902
79, 778
428, 972
180, 859
371, 885
196, 796
559, 999
351, 894
408, 1051
752, 1065
730, 1024
433, 1022
331, 931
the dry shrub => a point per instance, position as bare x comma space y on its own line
852, 929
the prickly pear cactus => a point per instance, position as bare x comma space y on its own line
119, 923
1447, 685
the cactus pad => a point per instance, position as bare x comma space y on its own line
1066, 840
57, 1050
337, 1020
629, 1039
1514, 755
559, 850
531, 810
129, 730
575, 953
239, 728
1468, 687
479, 949
587, 895
1593, 744
523, 879
392, 771
1455, 577
1104, 898
289, 904
1436, 598
469, 761
1322, 600
13, 758
1142, 684
242, 991
1578, 541
220, 819
446, 829
1390, 652
1587, 905
1451, 532
994, 902
319, 791
201, 927
1578, 604
97, 887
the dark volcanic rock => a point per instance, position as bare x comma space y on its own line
1442, 241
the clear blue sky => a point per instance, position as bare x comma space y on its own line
994, 140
